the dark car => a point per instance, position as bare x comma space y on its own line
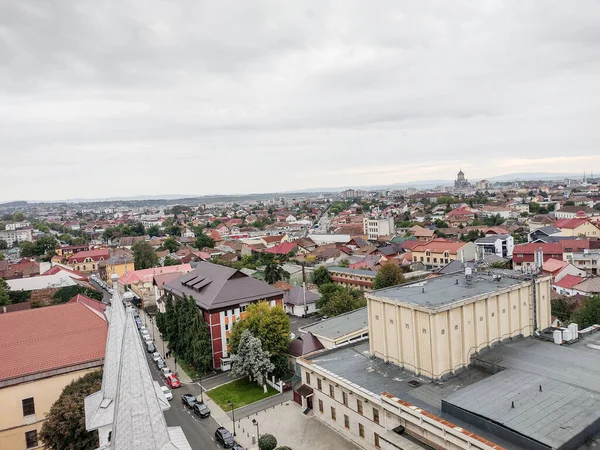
188, 400
238, 447
224, 437
201, 409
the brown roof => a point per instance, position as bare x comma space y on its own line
213, 287
54, 337
269, 239
305, 344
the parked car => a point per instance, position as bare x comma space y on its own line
201, 410
167, 392
160, 364
173, 381
138, 324
143, 329
237, 447
188, 400
150, 347
156, 356
165, 371
224, 437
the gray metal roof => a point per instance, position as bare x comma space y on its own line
553, 416
491, 239
295, 296
341, 325
443, 290
213, 286
365, 273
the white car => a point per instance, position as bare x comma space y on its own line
155, 356
165, 372
148, 340
167, 392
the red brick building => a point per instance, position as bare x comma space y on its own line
222, 294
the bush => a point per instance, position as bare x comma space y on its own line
267, 442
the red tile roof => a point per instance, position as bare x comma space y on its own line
439, 246
460, 211
95, 255
49, 338
282, 249
554, 266
569, 281
89, 302
570, 224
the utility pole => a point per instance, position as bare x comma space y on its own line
304, 287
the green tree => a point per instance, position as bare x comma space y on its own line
171, 261
144, 256
274, 273
171, 244
3, 245
345, 263
64, 294
471, 236
267, 442
153, 230
18, 217
4, 297
589, 313
440, 223
283, 447
270, 324
202, 240
64, 427
388, 275
321, 276
342, 302
560, 308
250, 359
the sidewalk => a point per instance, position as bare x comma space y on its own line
162, 346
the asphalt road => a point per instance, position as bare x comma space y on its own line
199, 432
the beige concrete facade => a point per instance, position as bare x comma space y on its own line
44, 391
368, 419
587, 229
435, 342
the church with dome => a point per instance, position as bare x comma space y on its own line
461, 182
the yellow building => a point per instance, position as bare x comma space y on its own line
431, 334
439, 252
43, 350
580, 226
119, 263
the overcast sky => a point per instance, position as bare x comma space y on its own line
123, 98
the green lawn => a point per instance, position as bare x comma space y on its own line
240, 393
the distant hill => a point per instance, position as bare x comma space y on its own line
13, 204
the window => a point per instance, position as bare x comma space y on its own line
333, 413
361, 430
346, 421
345, 398
376, 436
375, 415
359, 406
31, 439
331, 392
321, 406
28, 405
307, 378
319, 385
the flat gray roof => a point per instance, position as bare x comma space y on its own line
366, 273
341, 325
553, 416
446, 289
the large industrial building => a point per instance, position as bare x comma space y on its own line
456, 362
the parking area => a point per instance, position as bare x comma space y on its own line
291, 428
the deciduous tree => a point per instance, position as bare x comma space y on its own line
144, 256
267, 442
388, 275
171, 244
64, 427
4, 297
3, 245
589, 313
321, 276
342, 302
250, 359
202, 240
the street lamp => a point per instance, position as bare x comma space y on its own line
255, 423
232, 415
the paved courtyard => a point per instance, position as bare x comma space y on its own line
292, 428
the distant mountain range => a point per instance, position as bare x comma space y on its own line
422, 184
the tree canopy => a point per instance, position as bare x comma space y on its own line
171, 244
202, 240
267, 442
269, 324
274, 273
250, 359
41, 246
144, 256
64, 294
321, 276
64, 427
183, 326
343, 301
4, 297
3, 245
388, 275
589, 312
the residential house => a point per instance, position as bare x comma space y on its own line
68, 250
545, 234
422, 234
567, 285
300, 302
271, 241
353, 278
576, 211
17, 225
159, 282
119, 262
580, 226
460, 216
559, 269
568, 250
282, 249
141, 282
129, 241
588, 286
43, 350
539, 221
587, 259
340, 330
501, 245
439, 252
24, 268
87, 261
222, 295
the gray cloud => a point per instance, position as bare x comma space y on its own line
217, 97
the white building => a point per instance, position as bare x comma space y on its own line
17, 225
383, 226
501, 245
15, 237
